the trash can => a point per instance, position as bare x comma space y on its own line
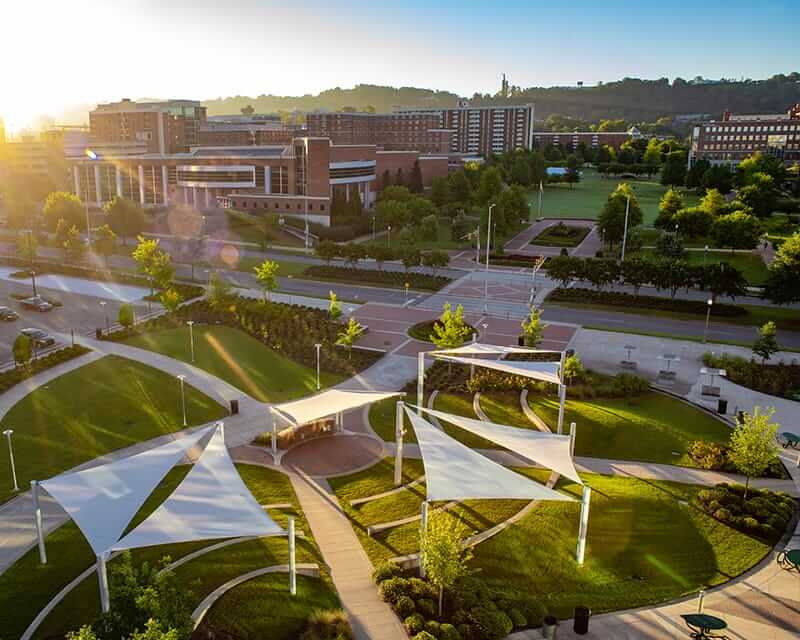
549, 627
722, 406
581, 625
98, 333
520, 341
740, 417
234, 407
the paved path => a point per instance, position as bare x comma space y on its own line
351, 570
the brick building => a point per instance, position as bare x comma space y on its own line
592, 139
246, 130
730, 140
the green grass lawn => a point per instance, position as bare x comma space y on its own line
643, 547
750, 264
589, 195
444, 241
105, 405
69, 554
285, 267
382, 419
648, 428
239, 359
247, 227
504, 408
461, 405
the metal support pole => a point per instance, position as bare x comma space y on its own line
488, 247
562, 398
625, 232
274, 437
423, 529
398, 434
37, 514
572, 428
420, 380
191, 334
7, 433
102, 577
292, 560
584, 524
472, 366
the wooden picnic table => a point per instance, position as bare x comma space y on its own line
703, 625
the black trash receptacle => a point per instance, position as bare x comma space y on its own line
98, 333
520, 341
234, 407
722, 406
740, 417
581, 626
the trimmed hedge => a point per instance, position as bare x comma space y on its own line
14, 376
393, 279
513, 260
764, 514
621, 299
561, 235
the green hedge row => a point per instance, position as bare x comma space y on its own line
780, 379
14, 376
394, 279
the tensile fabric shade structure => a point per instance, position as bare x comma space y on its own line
102, 500
480, 349
453, 471
211, 502
544, 371
549, 450
327, 403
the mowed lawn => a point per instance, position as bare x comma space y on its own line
649, 428
105, 405
751, 265
646, 544
239, 359
587, 197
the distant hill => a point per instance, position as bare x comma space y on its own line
632, 99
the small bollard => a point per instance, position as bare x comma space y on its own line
701, 597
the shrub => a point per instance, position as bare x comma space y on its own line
422, 589
467, 631
765, 514
425, 635
390, 590
533, 610
414, 623
433, 628
327, 625
780, 379
426, 607
493, 624
404, 606
448, 632
470, 592
708, 455
519, 620
628, 384
387, 570
396, 279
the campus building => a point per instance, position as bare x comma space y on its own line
297, 179
246, 130
732, 139
592, 139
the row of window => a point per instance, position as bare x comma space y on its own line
744, 146
245, 204
781, 128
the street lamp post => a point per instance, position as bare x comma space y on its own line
373, 227
33, 282
182, 377
191, 337
389, 236
103, 307
705, 254
708, 317
7, 433
407, 285
488, 246
318, 346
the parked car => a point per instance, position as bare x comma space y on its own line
8, 314
37, 303
39, 337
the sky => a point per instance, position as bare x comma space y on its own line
57, 53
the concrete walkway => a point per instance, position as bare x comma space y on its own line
350, 568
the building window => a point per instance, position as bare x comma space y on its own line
322, 207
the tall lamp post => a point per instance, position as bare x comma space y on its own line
182, 378
318, 346
488, 246
708, 317
191, 337
7, 433
33, 282
389, 236
103, 307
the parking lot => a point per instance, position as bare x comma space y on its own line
79, 312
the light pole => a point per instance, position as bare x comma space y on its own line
625, 231
407, 285
373, 227
182, 377
191, 337
33, 282
389, 236
488, 246
708, 317
318, 346
705, 253
7, 433
103, 307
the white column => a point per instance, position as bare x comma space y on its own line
420, 380
292, 562
562, 398
76, 176
572, 428
398, 434
274, 437
185, 195
194, 197
208, 198
584, 524
165, 184
141, 185
267, 179
37, 514
119, 181
98, 191
423, 529
102, 578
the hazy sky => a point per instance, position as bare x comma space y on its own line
61, 52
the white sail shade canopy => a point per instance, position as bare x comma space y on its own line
453, 471
327, 403
549, 450
480, 349
103, 500
211, 502
544, 371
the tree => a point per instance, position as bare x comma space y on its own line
415, 182
219, 293
491, 184
722, 279
396, 192
450, 330
62, 205
444, 558
418, 209
73, 245
671, 202
22, 350
435, 260
767, 343
636, 271
563, 269
611, 221
783, 284
125, 217
520, 171
349, 335
459, 187
62, 234
327, 250
154, 631
380, 253
440, 191
713, 202
673, 173
84, 633
353, 252
753, 445
652, 154
334, 306
410, 257
573, 170
736, 230
669, 245
573, 369
356, 208
532, 328
760, 163
154, 263
386, 180
759, 194
266, 276
27, 246
399, 178
105, 241
393, 212
694, 176
693, 222
170, 299
126, 315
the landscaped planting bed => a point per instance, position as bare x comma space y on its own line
14, 376
392, 279
780, 379
424, 330
514, 260
561, 235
